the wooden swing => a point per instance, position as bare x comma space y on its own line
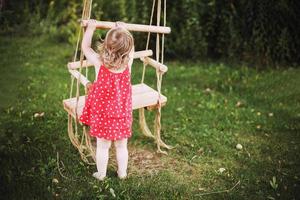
143, 96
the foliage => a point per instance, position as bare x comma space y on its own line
211, 108
264, 32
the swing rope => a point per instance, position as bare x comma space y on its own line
86, 150
142, 119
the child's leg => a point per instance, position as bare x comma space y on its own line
122, 157
103, 146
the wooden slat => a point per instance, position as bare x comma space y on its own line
155, 64
75, 65
137, 54
144, 53
132, 27
142, 96
83, 79
141, 88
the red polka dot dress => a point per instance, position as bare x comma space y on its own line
108, 106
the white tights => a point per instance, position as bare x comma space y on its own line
103, 146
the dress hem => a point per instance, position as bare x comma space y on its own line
124, 137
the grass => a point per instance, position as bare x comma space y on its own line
211, 108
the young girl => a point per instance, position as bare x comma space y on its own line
108, 107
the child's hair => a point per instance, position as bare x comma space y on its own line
114, 50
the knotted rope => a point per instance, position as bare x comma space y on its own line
83, 144
157, 122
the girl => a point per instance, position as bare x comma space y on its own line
108, 107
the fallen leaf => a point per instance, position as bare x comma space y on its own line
207, 90
239, 104
239, 147
221, 170
258, 126
54, 181
39, 114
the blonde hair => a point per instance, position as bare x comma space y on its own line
114, 50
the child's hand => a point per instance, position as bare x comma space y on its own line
92, 24
88, 87
120, 24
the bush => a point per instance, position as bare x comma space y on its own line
264, 32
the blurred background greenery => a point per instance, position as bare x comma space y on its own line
259, 32
215, 102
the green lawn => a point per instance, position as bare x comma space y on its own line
211, 108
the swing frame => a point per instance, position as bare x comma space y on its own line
143, 95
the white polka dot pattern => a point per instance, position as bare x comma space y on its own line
108, 106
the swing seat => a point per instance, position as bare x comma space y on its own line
143, 96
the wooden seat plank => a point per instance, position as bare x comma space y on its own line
142, 96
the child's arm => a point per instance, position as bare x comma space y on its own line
131, 58
89, 53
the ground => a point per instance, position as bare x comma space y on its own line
211, 108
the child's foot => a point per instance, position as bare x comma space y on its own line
99, 176
122, 175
